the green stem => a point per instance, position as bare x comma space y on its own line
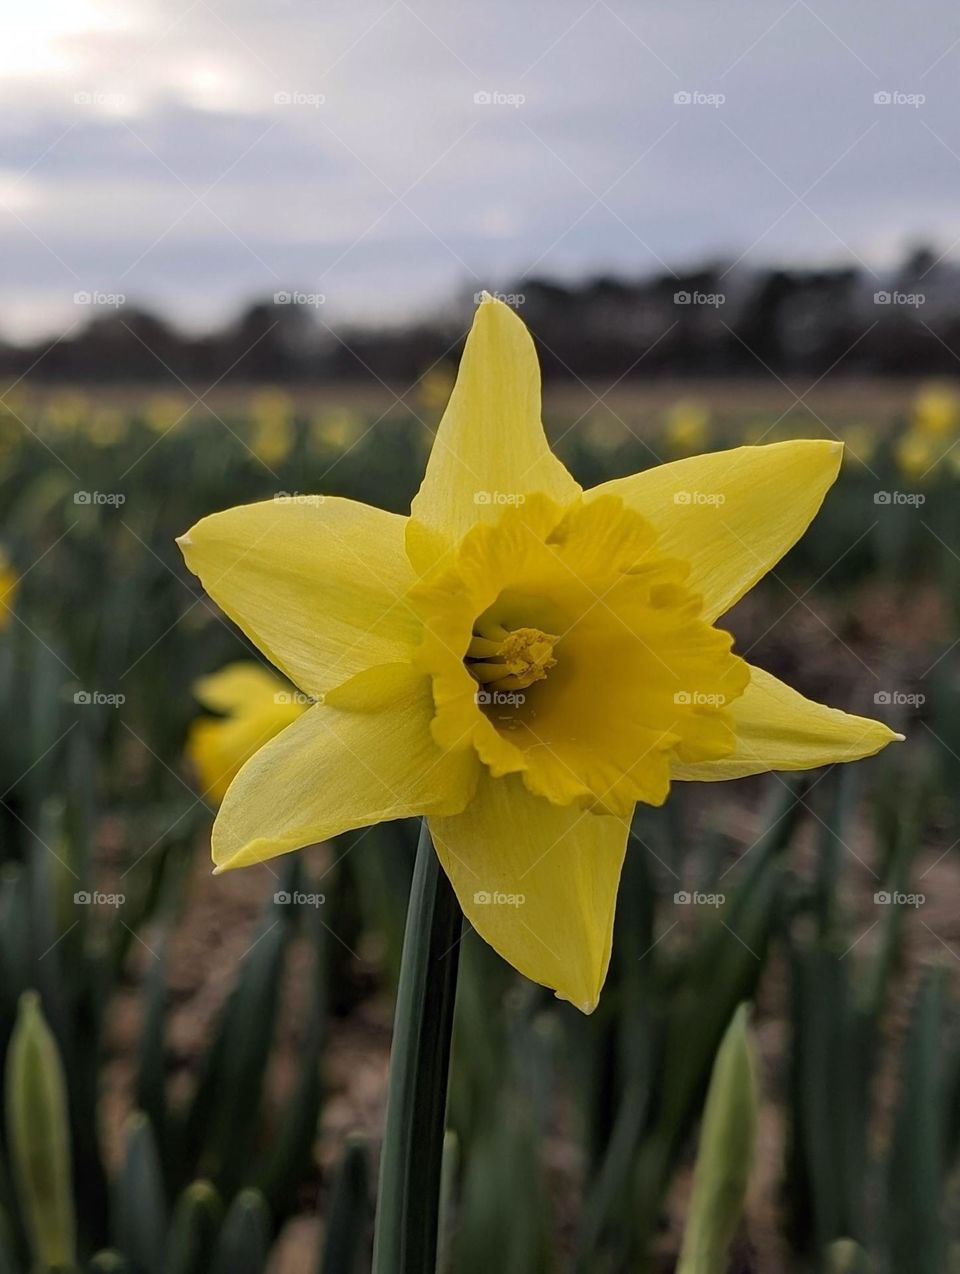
408, 1204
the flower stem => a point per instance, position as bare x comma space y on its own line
405, 1239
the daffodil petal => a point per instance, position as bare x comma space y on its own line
334, 770
490, 450
732, 514
319, 585
538, 882
778, 729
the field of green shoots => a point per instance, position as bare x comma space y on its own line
195, 1068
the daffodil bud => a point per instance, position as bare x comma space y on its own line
727, 1142
38, 1131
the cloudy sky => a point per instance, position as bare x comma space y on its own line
190, 154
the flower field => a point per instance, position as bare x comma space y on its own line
196, 1067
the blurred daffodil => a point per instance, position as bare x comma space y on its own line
9, 586
860, 444
107, 427
435, 386
162, 413
917, 454
254, 705
936, 411
274, 432
687, 427
519, 660
336, 430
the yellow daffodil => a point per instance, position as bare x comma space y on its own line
435, 386
936, 411
917, 455
163, 413
337, 430
273, 428
254, 705
860, 445
687, 427
9, 586
519, 660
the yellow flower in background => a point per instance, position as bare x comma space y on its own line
917, 454
860, 444
254, 705
66, 412
687, 427
936, 411
107, 427
520, 661
435, 386
337, 430
274, 432
9, 587
165, 412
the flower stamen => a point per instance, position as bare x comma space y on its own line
503, 660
